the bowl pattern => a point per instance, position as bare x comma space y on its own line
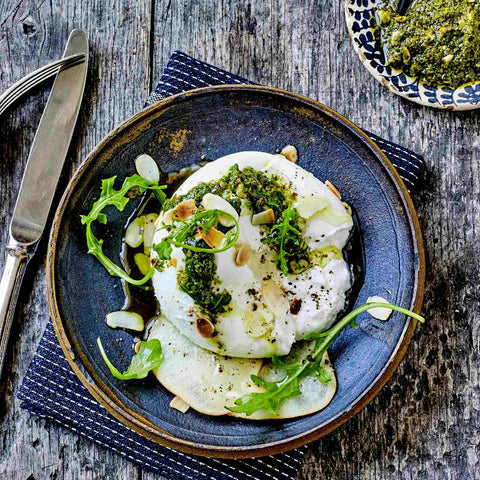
360, 20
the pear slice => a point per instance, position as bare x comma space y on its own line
209, 382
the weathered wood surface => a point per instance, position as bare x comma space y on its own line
426, 421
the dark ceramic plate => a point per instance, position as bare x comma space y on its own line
215, 122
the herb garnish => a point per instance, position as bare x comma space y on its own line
286, 237
289, 386
110, 196
183, 229
149, 356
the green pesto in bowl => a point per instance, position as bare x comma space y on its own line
437, 41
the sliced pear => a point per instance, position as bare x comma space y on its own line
315, 395
147, 168
201, 378
209, 382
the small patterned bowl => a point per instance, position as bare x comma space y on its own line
360, 18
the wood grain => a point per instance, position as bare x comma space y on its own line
33, 34
426, 421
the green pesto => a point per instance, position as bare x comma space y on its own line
249, 184
437, 41
199, 280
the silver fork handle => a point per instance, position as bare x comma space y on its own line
16, 260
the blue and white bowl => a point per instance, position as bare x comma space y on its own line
360, 18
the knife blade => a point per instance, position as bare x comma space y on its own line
44, 166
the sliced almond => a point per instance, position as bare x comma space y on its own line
182, 211
211, 201
178, 404
275, 298
205, 327
380, 313
149, 232
290, 153
213, 238
242, 255
185, 210
267, 216
147, 168
333, 189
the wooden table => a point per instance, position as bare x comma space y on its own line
426, 421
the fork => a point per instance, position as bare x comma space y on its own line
25, 84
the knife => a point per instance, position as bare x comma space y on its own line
45, 162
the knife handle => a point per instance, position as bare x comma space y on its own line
16, 259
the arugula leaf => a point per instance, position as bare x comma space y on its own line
289, 386
149, 356
185, 228
286, 238
117, 198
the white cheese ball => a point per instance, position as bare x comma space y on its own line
322, 291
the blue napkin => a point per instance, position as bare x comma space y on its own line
52, 390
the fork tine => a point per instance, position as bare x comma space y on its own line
35, 78
38, 76
50, 67
26, 85
22, 87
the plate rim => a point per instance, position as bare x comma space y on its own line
132, 420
